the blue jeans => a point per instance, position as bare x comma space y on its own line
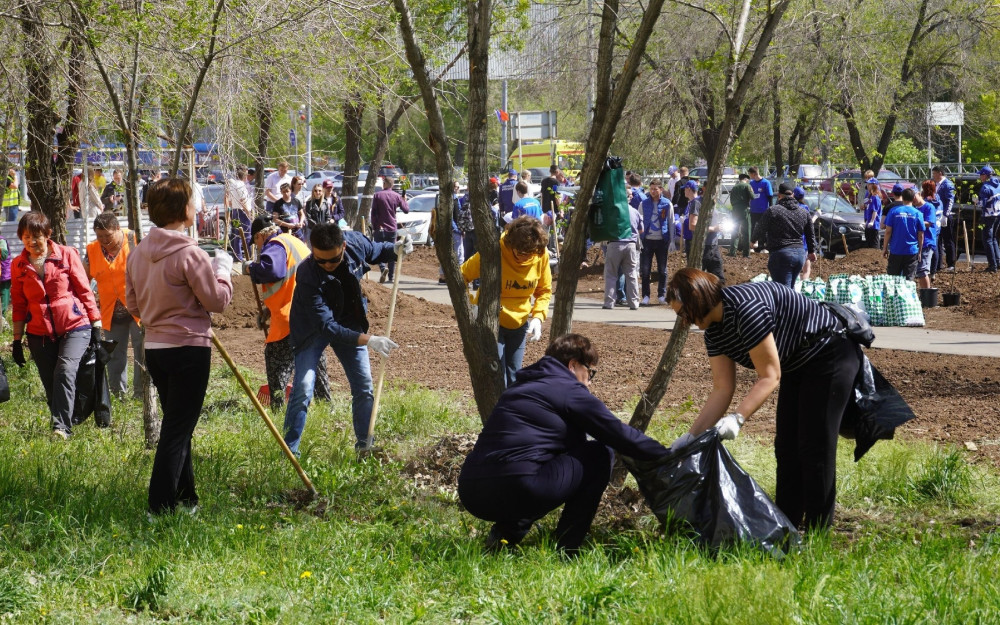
386, 236
357, 367
511, 347
990, 226
785, 264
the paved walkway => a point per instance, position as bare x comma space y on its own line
662, 318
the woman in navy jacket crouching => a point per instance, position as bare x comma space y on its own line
533, 454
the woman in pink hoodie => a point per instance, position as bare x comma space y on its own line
173, 285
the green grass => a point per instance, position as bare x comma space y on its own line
916, 543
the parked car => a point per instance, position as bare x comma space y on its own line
417, 222
212, 212
320, 175
834, 216
391, 170
806, 176
729, 174
848, 182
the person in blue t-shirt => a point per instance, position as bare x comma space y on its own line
904, 237
930, 207
527, 205
989, 202
948, 237
763, 197
873, 213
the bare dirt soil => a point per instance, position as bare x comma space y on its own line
956, 399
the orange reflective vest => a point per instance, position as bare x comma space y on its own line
110, 276
277, 296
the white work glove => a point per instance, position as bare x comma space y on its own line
682, 441
729, 426
381, 345
404, 245
222, 264
534, 329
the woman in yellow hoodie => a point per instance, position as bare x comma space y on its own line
524, 274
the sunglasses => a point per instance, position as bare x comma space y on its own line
328, 261
590, 373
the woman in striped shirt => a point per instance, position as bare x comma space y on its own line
784, 337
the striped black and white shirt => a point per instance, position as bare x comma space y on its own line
752, 311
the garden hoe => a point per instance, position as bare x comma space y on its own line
260, 409
382, 364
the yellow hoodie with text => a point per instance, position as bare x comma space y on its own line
519, 281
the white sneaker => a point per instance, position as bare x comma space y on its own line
645, 301
663, 300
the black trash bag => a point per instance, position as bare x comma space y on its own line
874, 411
92, 393
4, 383
703, 485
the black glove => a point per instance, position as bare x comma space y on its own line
95, 336
18, 352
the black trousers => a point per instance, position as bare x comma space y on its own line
711, 261
653, 248
871, 238
741, 239
811, 404
754, 219
180, 375
947, 244
577, 478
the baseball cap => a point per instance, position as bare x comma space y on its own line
328, 184
897, 189
784, 189
671, 169
986, 171
691, 184
493, 180
799, 193
871, 181
259, 224
511, 172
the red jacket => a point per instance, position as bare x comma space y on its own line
64, 302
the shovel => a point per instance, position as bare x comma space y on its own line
260, 410
382, 364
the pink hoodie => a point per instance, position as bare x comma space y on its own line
170, 285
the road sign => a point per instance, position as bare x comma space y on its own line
533, 125
946, 114
291, 137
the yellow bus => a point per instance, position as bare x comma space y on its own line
568, 155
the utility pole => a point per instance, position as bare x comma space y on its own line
309, 131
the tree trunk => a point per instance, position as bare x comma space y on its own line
609, 104
48, 193
68, 139
381, 147
354, 109
479, 335
776, 128
265, 118
737, 88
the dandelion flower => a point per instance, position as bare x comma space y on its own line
305, 575
239, 526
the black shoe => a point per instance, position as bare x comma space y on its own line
442, 281
622, 302
385, 274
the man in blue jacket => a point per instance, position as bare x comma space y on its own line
329, 309
989, 202
904, 237
506, 196
763, 197
949, 233
658, 220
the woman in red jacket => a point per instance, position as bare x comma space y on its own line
52, 300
